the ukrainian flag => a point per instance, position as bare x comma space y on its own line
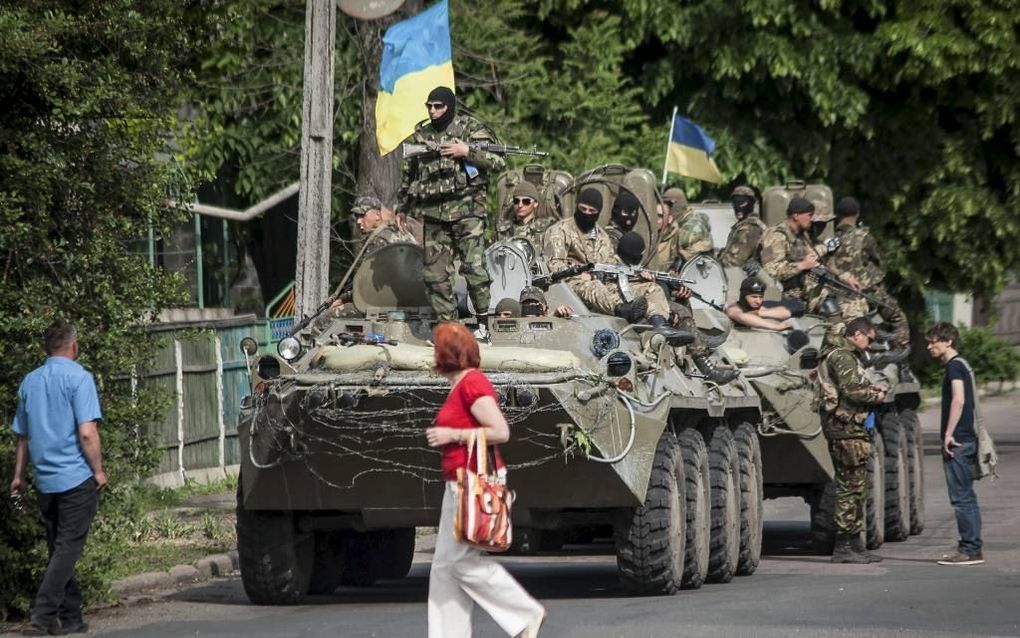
690, 151
416, 59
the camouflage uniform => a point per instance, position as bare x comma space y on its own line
743, 244
388, 234
615, 233
533, 231
858, 254
693, 237
847, 397
663, 251
452, 205
781, 249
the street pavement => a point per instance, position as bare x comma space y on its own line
793, 592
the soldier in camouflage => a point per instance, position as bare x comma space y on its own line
379, 227
846, 398
448, 192
743, 244
672, 200
694, 233
858, 254
788, 252
525, 224
626, 209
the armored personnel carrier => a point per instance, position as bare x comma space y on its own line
611, 425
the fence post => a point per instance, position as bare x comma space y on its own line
218, 344
179, 366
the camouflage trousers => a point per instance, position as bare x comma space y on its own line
850, 460
682, 318
446, 243
604, 297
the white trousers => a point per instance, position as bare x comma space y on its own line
462, 575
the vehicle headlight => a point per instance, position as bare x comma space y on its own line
604, 341
289, 348
618, 364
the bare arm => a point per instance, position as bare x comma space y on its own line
91, 447
491, 417
20, 461
955, 412
752, 320
779, 313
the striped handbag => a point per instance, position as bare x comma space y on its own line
483, 499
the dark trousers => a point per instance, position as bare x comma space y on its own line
68, 516
959, 470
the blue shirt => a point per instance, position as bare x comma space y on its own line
964, 430
53, 401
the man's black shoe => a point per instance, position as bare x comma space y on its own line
43, 628
80, 627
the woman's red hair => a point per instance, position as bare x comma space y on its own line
456, 348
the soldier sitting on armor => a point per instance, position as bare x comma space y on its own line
672, 200
743, 244
533, 304
753, 311
507, 308
694, 232
378, 225
525, 224
626, 208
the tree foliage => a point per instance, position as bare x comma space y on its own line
91, 92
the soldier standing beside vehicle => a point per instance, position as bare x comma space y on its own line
448, 190
525, 224
859, 255
743, 244
846, 398
788, 252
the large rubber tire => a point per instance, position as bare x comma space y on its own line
275, 558
915, 459
823, 522
698, 492
751, 498
650, 545
329, 557
377, 554
874, 500
724, 474
897, 479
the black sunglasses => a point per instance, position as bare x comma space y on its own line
435, 105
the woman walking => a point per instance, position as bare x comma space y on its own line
462, 575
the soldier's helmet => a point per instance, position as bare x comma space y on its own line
532, 293
364, 204
676, 199
752, 286
847, 206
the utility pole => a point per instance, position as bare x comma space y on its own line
312, 278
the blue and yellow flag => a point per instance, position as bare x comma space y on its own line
690, 151
416, 58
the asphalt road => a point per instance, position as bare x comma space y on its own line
793, 592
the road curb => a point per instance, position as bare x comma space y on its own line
211, 566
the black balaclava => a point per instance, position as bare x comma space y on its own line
589, 197
631, 248
626, 201
743, 202
445, 95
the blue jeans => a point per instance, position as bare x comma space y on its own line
959, 471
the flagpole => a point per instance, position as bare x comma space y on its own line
669, 140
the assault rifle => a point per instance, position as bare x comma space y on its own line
544, 281
623, 274
432, 148
823, 277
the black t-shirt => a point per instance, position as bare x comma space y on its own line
964, 431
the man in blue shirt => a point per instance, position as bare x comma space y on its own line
56, 427
959, 442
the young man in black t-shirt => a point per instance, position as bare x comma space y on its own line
959, 443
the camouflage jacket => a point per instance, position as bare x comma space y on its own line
444, 189
781, 249
744, 242
694, 236
846, 392
565, 245
389, 234
664, 249
532, 231
858, 255
615, 233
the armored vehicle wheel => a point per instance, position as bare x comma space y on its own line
897, 479
699, 508
874, 501
915, 459
329, 553
724, 473
650, 544
751, 497
275, 558
823, 523
377, 554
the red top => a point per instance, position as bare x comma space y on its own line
456, 413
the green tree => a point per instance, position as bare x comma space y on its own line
91, 92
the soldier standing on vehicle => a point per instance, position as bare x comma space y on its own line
788, 252
743, 244
378, 225
859, 255
846, 398
448, 191
625, 215
525, 224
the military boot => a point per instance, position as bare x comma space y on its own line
843, 551
673, 337
857, 544
632, 311
712, 372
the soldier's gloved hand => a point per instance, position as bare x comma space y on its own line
832, 244
752, 267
